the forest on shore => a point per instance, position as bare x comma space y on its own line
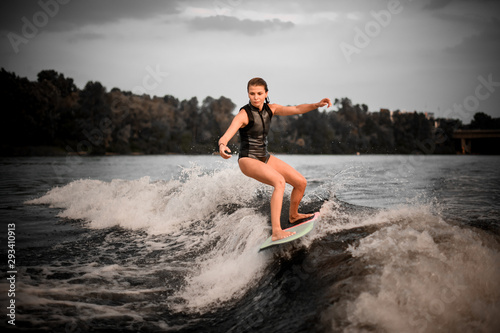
51, 116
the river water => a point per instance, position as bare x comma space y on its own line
170, 243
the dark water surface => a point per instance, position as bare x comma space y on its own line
170, 243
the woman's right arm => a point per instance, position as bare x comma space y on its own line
239, 121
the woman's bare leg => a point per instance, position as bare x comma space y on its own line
268, 175
299, 183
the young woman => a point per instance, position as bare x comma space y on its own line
253, 122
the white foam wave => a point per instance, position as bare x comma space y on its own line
335, 219
424, 275
232, 267
224, 260
161, 207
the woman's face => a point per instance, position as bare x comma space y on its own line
257, 95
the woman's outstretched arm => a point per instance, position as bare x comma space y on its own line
281, 110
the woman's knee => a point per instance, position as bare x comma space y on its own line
279, 183
301, 183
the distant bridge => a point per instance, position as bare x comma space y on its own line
485, 141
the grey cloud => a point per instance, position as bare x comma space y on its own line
77, 13
85, 36
482, 47
247, 27
437, 4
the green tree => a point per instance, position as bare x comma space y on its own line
64, 85
94, 117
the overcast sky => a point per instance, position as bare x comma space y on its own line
440, 56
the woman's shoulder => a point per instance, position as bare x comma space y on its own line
242, 114
245, 109
274, 107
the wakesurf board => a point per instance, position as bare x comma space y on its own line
300, 230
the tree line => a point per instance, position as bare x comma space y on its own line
52, 116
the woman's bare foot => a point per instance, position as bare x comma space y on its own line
300, 217
281, 234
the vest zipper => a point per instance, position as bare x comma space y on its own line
264, 136
263, 124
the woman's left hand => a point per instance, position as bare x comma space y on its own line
224, 151
325, 102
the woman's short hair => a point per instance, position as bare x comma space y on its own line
257, 81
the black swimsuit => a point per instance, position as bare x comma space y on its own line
253, 137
